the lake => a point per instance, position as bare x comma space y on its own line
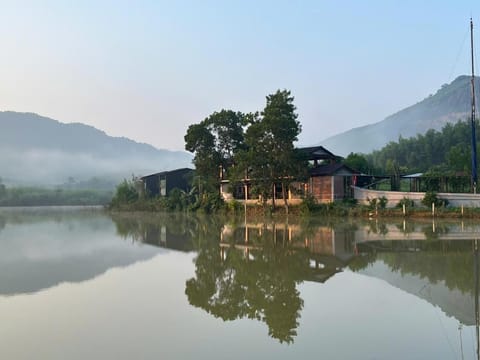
78, 283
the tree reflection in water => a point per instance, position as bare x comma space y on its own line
257, 282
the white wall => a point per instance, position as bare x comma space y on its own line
454, 199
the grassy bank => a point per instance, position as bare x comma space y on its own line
336, 209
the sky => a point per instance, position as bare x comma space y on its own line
146, 70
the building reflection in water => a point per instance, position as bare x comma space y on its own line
252, 270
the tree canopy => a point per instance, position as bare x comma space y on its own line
258, 144
215, 141
446, 151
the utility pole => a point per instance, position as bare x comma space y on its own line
473, 122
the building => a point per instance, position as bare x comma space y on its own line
162, 183
328, 180
331, 182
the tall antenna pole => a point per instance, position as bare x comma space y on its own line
477, 288
474, 139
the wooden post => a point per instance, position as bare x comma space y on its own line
246, 198
433, 208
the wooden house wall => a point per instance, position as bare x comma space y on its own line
321, 188
338, 187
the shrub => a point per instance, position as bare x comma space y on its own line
234, 206
377, 202
349, 202
382, 202
308, 204
409, 203
126, 193
431, 197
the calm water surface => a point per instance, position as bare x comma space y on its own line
80, 284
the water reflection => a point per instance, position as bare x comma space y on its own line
253, 270
41, 248
257, 281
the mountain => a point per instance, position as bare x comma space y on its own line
35, 150
449, 104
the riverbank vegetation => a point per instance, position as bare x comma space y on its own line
128, 198
35, 196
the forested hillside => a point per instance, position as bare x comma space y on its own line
36, 150
449, 104
446, 151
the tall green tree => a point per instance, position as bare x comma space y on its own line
215, 141
272, 158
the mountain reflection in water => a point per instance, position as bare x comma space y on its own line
43, 247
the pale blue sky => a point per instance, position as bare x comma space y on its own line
148, 69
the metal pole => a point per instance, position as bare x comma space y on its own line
474, 140
477, 317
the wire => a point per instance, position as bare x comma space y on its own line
436, 312
446, 334
458, 55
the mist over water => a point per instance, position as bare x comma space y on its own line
53, 167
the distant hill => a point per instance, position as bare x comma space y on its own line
449, 104
43, 151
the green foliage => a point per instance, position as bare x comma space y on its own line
176, 200
126, 193
351, 202
377, 203
308, 205
256, 145
127, 198
210, 203
234, 206
358, 162
448, 148
215, 141
409, 203
431, 197
342, 208
270, 157
382, 202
